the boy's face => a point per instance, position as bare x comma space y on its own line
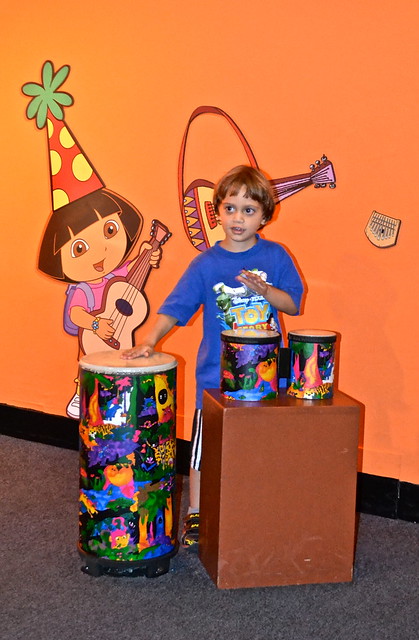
95, 251
240, 218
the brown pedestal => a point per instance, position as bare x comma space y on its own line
278, 487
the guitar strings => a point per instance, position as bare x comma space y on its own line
130, 292
284, 187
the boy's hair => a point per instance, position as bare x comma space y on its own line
258, 188
79, 215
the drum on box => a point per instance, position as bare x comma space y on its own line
312, 363
249, 364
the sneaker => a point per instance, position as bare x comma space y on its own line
73, 407
190, 533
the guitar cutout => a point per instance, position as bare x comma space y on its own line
321, 174
195, 201
124, 301
198, 210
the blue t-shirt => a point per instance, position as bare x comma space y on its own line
210, 280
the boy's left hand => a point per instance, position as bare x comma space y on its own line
253, 281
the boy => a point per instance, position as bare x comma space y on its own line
269, 282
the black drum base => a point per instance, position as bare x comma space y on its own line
150, 568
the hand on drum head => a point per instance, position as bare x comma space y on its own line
140, 350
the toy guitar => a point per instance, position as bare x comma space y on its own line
321, 174
198, 210
123, 300
195, 201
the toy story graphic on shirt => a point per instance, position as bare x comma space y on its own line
242, 308
195, 200
127, 465
91, 240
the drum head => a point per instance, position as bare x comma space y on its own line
312, 335
250, 336
112, 362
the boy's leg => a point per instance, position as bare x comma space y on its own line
190, 533
194, 487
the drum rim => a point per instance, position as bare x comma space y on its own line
312, 335
266, 339
127, 366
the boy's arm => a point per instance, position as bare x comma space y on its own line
160, 328
279, 299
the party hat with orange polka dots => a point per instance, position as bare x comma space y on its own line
72, 175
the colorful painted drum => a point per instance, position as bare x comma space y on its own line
127, 464
249, 364
312, 363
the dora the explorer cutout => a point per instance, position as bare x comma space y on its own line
197, 211
91, 236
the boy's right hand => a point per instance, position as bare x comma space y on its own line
139, 350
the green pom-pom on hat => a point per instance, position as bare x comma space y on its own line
45, 96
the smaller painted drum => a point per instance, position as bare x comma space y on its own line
249, 364
127, 463
312, 363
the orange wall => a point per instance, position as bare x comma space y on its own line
301, 79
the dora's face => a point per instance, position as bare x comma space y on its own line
96, 251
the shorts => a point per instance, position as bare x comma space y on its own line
196, 442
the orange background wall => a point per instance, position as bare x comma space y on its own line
301, 79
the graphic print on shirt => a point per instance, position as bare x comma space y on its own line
242, 308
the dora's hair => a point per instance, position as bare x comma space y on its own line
79, 215
257, 186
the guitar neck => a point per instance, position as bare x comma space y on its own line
321, 174
139, 273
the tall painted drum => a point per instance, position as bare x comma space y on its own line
249, 364
127, 464
312, 363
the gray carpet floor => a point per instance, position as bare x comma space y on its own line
44, 594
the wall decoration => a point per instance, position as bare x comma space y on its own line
91, 235
195, 201
381, 230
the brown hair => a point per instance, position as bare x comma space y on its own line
258, 188
79, 215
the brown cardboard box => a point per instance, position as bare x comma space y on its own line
278, 490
